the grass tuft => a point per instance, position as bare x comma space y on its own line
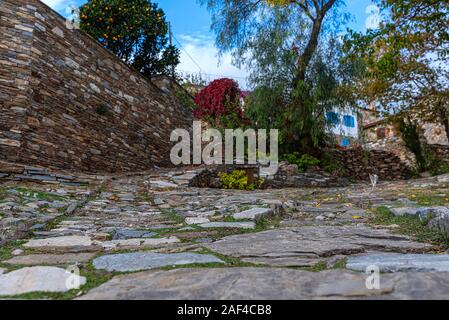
410, 226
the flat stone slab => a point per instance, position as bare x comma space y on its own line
405, 211
38, 279
124, 234
152, 242
51, 259
138, 261
267, 284
238, 225
191, 221
443, 178
305, 246
163, 184
60, 242
254, 214
400, 262
195, 234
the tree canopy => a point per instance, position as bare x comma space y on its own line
135, 30
406, 59
283, 44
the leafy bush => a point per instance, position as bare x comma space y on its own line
185, 100
410, 134
303, 162
332, 165
219, 104
436, 165
238, 180
102, 109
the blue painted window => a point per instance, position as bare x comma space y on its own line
349, 121
332, 118
345, 142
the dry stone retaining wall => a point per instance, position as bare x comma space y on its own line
359, 164
441, 151
53, 81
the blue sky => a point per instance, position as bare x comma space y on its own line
191, 27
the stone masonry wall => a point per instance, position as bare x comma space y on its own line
441, 151
52, 82
16, 39
359, 164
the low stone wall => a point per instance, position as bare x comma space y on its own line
360, 163
23, 173
441, 151
67, 102
394, 145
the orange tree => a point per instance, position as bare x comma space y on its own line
135, 30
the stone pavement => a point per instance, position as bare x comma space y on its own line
150, 236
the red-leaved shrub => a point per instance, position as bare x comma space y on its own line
221, 98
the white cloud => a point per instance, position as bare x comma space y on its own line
202, 51
373, 20
59, 5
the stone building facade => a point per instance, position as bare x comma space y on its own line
67, 102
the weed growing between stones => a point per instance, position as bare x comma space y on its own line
340, 264
6, 252
38, 195
410, 226
320, 266
431, 199
172, 215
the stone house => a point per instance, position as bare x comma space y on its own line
344, 125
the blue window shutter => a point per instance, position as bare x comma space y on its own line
332, 118
349, 121
345, 142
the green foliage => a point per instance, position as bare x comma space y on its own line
135, 30
332, 165
410, 134
411, 226
435, 165
238, 180
185, 99
404, 60
303, 161
102, 109
291, 51
427, 161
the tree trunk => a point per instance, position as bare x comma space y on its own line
304, 140
445, 121
306, 57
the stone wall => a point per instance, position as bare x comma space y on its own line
397, 147
435, 134
359, 164
441, 151
53, 84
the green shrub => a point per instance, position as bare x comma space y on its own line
332, 165
303, 162
238, 180
185, 99
410, 134
438, 167
102, 109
